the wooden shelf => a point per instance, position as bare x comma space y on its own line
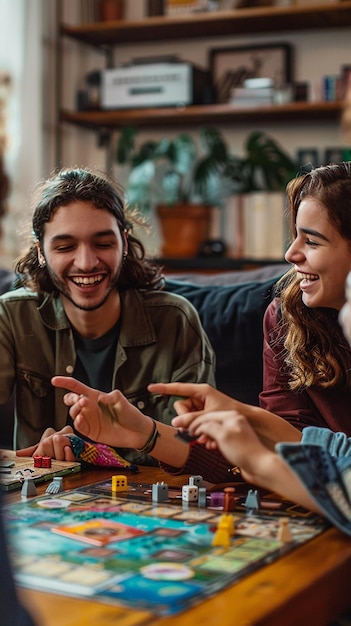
213, 24
211, 114
214, 264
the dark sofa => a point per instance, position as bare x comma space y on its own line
231, 307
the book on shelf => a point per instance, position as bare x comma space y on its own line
251, 96
172, 8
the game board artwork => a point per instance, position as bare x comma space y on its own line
129, 550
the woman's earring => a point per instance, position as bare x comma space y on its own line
42, 262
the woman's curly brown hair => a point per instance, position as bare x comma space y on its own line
86, 185
315, 348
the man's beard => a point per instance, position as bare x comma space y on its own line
63, 291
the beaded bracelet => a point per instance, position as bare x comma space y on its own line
151, 442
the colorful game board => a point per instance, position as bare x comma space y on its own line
125, 549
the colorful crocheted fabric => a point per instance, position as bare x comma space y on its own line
98, 454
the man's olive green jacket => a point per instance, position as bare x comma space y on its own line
161, 340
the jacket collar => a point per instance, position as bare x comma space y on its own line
136, 326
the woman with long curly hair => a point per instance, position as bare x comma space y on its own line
307, 361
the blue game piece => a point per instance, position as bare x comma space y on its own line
252, 501
28, 488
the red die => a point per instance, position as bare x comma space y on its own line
46, 461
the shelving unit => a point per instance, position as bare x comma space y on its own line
214, 24
204, 114
107, 35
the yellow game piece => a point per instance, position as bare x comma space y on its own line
222, 534
229, 519
119, 483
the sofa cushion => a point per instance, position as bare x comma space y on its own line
232, 316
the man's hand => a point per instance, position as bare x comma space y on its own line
52, 443
104, 417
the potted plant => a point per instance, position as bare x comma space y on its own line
261, 176
264, 167
181, 181
184, 185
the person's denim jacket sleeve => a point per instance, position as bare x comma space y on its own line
325, 475
338, 444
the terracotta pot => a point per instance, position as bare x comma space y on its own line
111, 10
184, 227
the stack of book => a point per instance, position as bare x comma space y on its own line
253, 92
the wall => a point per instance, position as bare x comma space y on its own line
315, 54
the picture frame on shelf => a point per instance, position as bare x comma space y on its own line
306, 156
230, 67
338, 154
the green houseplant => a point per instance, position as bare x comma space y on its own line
184, 182
173, 171
265, 166
181, 180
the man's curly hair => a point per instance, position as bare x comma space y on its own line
85, 185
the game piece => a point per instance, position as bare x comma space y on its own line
284, 532
229, 519
46, 461
223, 532
229, 499
217, 499
55, 486
184, 435
190, 493
196, 480
29, 489
202, 496
119, 483
159, 492
252, 501
38, 461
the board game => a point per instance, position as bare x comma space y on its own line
14, 470
125, 548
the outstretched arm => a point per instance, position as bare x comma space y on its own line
109, 418
239, 443
199, 399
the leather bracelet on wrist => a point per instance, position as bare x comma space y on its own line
151, 442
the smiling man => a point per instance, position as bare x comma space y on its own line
89, 304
